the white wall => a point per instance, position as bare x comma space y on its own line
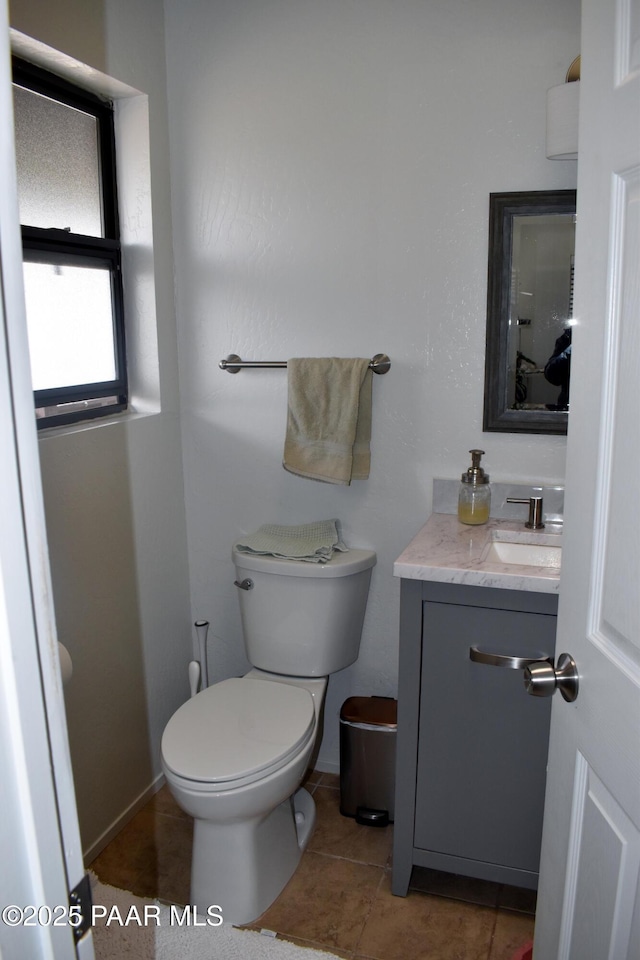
113, 493
331, 169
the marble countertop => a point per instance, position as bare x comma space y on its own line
448, 551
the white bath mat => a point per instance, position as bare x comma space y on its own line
127, 926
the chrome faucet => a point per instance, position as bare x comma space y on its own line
535, 521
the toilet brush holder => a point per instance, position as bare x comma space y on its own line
202, 628
194, 677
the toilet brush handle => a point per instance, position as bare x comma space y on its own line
202, 628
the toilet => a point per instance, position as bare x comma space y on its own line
234, 755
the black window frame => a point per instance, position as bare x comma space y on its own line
60, 247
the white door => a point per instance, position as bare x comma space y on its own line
40, 853
589, 899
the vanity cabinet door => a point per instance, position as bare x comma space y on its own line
482, 745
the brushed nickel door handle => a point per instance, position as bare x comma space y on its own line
505, 660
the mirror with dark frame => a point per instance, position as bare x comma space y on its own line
529, 311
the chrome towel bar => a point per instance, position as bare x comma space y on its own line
233, 363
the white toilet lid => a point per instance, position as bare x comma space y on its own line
237, 728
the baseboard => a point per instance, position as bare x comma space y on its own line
114, 828
327, 766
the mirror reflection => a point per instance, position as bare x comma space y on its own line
541, 312
530, 311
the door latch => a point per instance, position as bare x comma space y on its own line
81, 897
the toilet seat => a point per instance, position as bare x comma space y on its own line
238, 730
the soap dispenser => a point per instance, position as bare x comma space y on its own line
474, 499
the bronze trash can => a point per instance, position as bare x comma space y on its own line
368, 727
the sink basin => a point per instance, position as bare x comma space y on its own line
527, 548
528, 554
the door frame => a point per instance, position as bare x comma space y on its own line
39, 832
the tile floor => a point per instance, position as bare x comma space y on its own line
340, 897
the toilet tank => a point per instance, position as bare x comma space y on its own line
303, 619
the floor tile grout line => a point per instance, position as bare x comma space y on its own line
359, 863
369, 912
493, 933
171, 816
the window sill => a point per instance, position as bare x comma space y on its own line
70, 429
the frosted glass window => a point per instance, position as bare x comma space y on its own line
70, 325
65, 158
58, 165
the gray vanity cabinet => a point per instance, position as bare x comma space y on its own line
471, 744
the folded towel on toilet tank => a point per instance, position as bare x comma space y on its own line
314, 542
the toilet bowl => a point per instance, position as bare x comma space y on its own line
235, 755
